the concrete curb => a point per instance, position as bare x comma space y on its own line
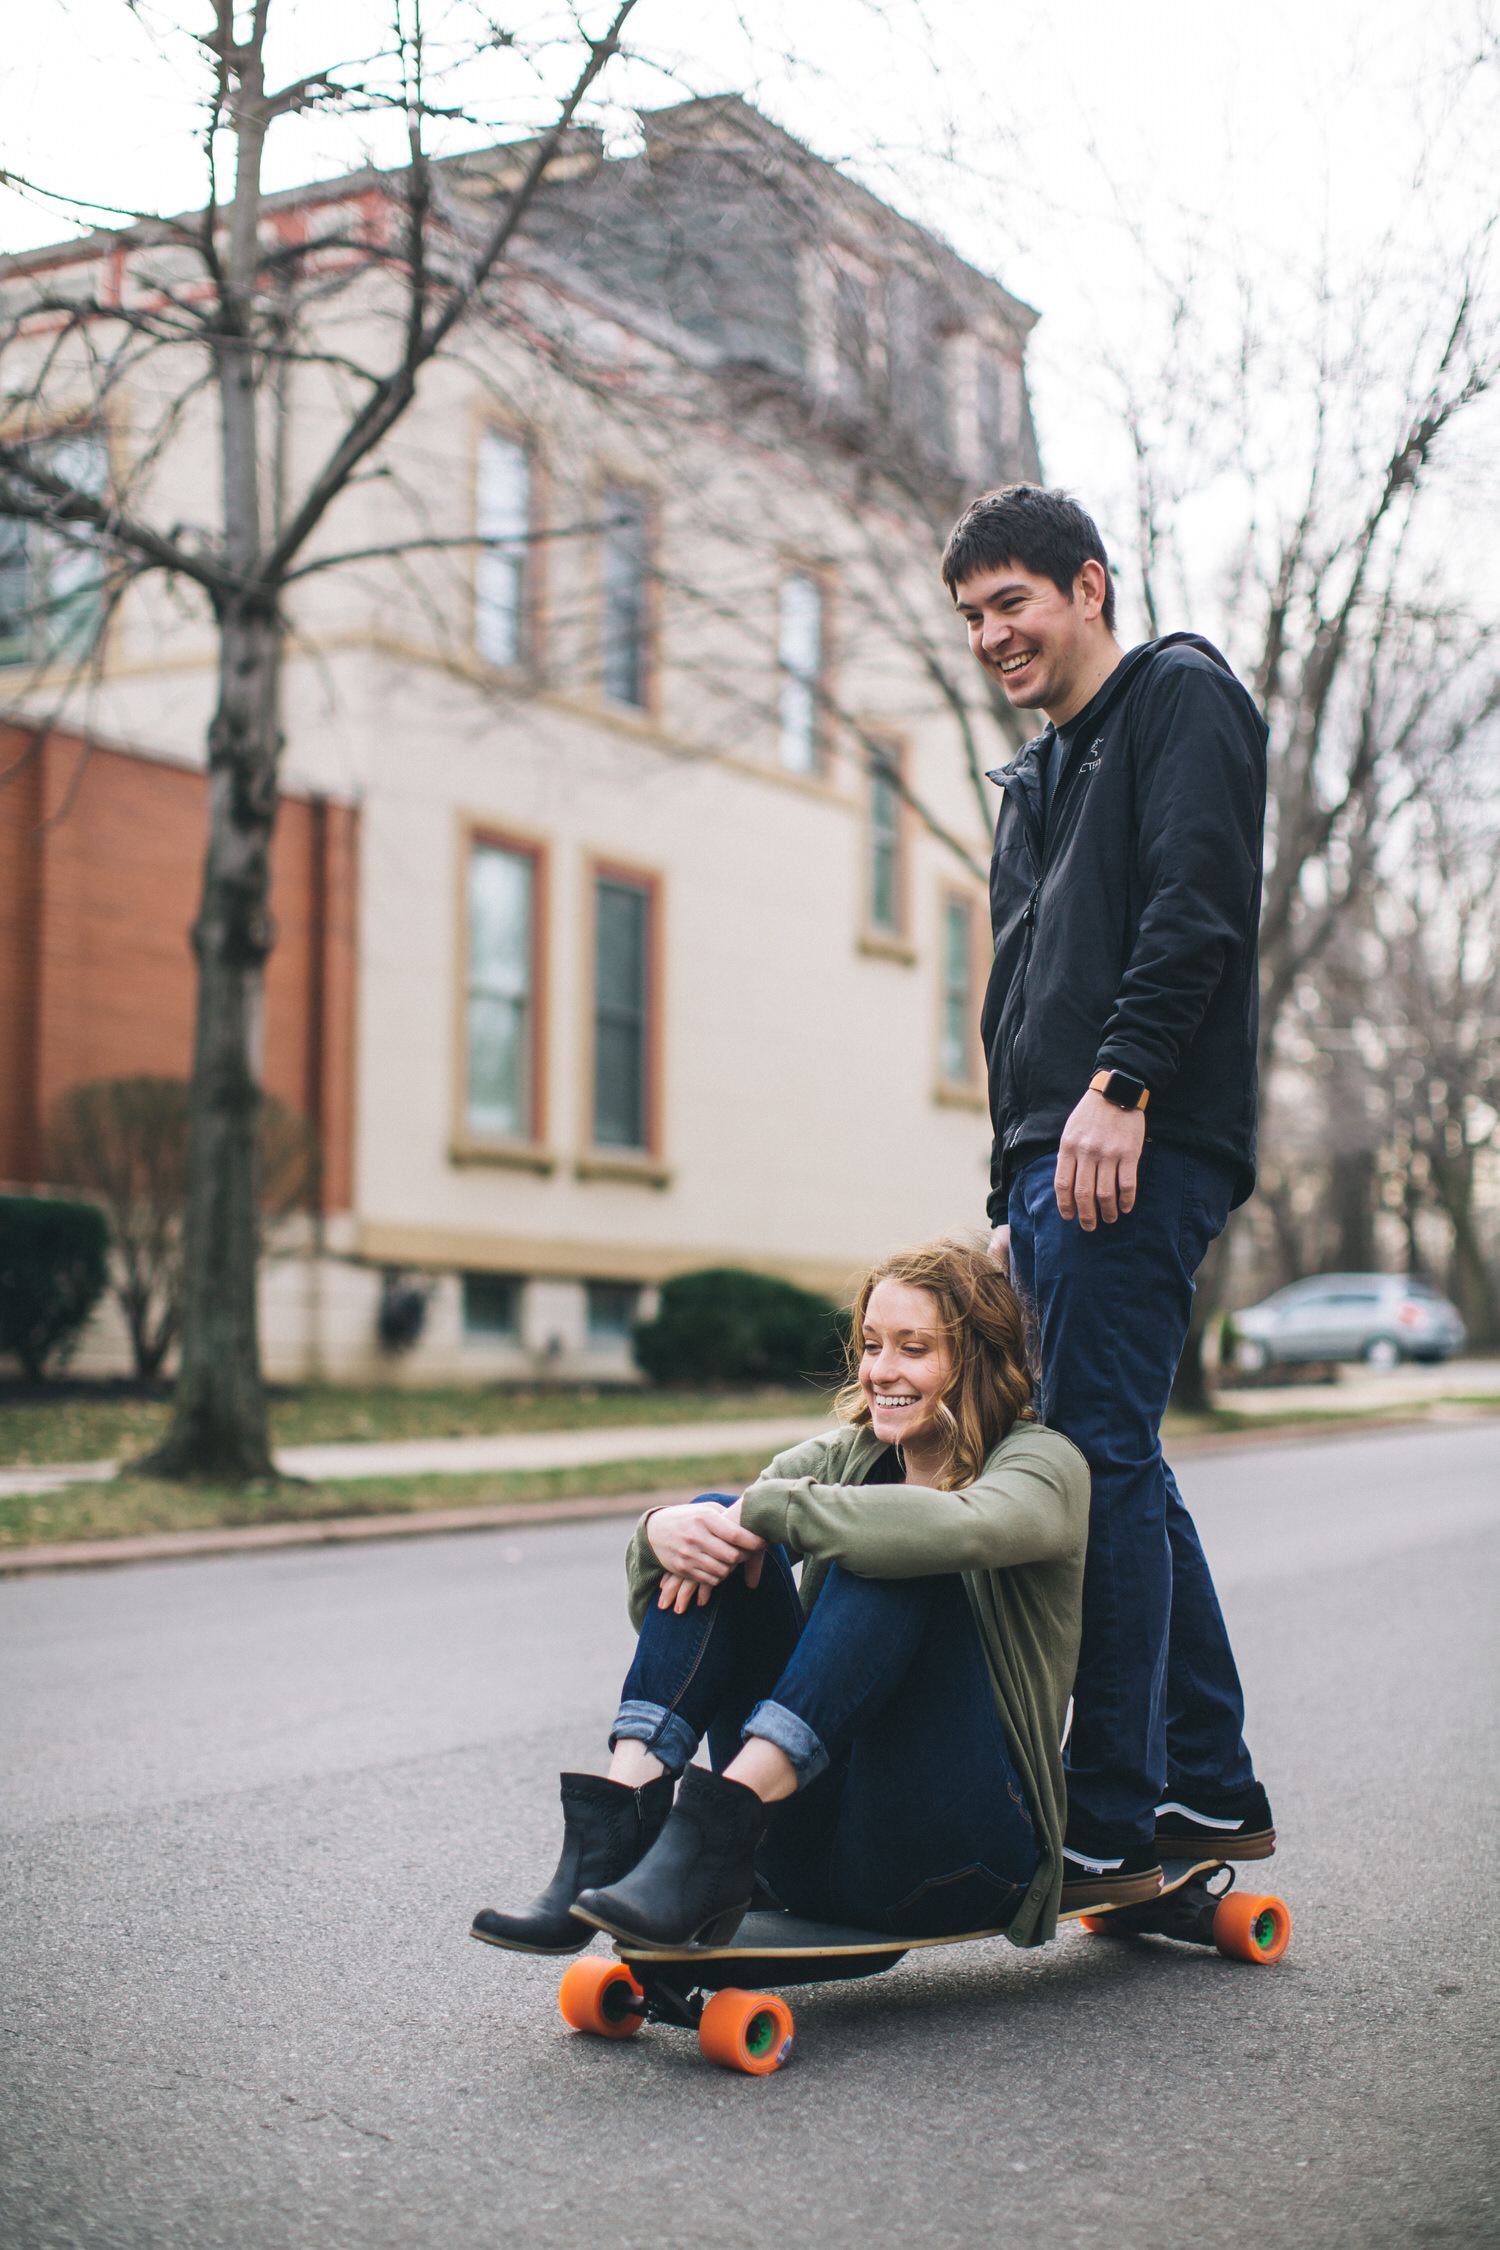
258, 1538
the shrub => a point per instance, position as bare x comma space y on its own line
727, 1326
54, 1263
126, 1141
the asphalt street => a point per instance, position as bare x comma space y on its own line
249, 1806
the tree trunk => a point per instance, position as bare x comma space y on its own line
1351, 1193
1479, 1301
1190, 1392
219, 1425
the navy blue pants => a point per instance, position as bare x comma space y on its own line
1157, 1705
908, 1815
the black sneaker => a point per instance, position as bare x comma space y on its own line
1127, 1880
1235, 1824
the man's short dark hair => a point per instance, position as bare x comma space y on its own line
1045, 532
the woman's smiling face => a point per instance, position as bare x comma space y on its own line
904, 1364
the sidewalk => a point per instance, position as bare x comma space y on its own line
421, 1457
1359, 1389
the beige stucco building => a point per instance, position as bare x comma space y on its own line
666, 924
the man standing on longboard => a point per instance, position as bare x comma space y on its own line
1120, 1032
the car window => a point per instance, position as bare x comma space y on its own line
1354, 1297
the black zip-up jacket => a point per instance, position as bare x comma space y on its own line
1127, 940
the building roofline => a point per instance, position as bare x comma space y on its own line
680, 125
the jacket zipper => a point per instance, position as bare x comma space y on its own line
1036, 848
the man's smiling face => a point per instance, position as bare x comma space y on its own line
1038, 642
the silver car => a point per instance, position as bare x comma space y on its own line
1381, 1318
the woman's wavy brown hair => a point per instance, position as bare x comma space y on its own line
988, 1333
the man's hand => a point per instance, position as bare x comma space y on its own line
697, 1547
999, 1249
1098, 1161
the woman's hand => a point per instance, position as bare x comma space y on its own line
698, 1546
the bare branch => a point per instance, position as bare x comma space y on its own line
393, 394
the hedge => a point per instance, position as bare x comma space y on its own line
54, 1263
727, 1326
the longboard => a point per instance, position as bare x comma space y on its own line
702, 1987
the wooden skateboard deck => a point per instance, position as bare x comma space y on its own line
703, 1987
816, 1952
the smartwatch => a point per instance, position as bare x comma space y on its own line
1119, 1087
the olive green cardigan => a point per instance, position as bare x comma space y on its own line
1017, 1534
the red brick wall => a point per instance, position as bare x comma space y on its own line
100, 861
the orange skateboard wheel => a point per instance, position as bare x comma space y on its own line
1096, 1924
597, 1995
1248, 1928
749, 2031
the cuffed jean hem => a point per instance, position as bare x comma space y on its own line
665, 1733
773, 1722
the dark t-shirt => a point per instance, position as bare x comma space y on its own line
1062, 742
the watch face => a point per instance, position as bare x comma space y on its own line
1124, 1090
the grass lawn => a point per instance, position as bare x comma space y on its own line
37, 1431
129, 1506
79, 1430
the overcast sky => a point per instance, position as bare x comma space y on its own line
1076, 152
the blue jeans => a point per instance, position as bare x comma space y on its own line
1157, 1705
908, 1814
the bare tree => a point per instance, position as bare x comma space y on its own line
1370, 664
217, 299
1432, 1041
710, 252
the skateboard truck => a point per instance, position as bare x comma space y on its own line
1241, 1925
748, 2031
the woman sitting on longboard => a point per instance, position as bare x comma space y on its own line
885, 1744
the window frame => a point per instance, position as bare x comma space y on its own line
529, 574
528, 1151
647, 500
893, 939
602, 1339
39, 656
818, 577
970, 1090
601, 1161
492, 1339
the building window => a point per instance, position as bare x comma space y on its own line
502, 512
852, 339
626, 611
501, 1097
612, 1307
52, 583
800, 648
623, 944
997, 409
492, 1307
886, 880
957, 1015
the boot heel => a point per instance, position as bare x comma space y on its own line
723, 1927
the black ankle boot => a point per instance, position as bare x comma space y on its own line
606, 1829
697, 1879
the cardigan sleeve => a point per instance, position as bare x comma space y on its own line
812, 1458
1028, 1504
